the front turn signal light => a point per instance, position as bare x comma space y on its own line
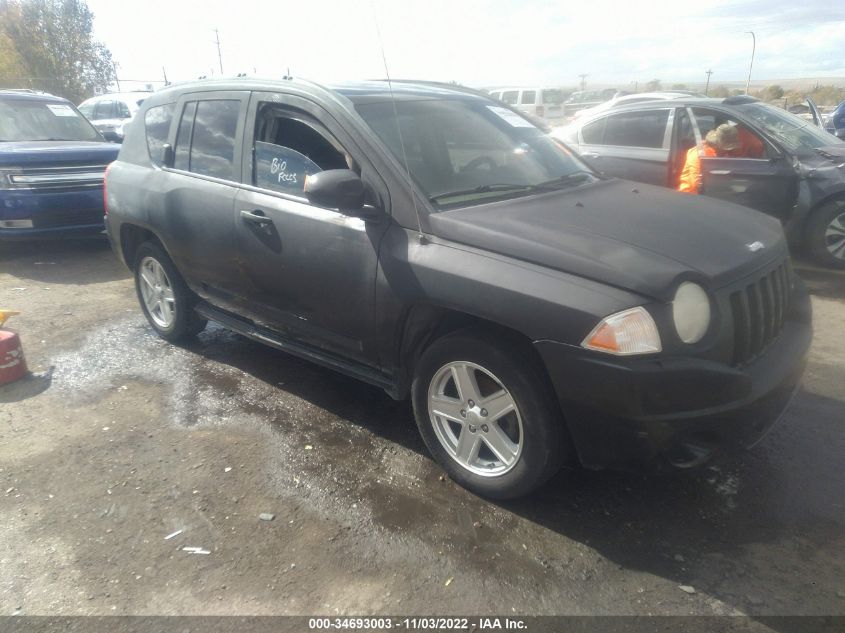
625, 333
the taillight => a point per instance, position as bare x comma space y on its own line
105, 189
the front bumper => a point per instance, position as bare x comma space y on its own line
624, 412
52, 213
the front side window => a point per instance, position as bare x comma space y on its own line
645, 128
123, 110
36, 120
157, 124
465, 152
510, 96
529, 97
593, 133
289, 147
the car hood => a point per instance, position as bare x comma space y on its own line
56, 153
634, 236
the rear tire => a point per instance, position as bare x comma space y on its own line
825, 236
165, 299
487, 414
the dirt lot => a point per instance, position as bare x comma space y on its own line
120, 440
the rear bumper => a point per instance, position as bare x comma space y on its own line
624, 413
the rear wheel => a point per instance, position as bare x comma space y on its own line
165, 299
826, 234
488, 416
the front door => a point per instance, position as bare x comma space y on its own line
308, 272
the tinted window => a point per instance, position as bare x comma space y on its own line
529, 97
104, 110
157, 123
213, 143
593, 133
636, 129
510, 96
123, 110
183, 136
288, 149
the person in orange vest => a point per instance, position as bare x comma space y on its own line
721, 141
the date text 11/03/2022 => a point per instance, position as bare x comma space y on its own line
422, 623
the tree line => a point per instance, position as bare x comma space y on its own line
49, 45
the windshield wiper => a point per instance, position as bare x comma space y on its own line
495, 187
568, 180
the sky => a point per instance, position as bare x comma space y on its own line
474, 42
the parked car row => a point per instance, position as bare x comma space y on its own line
436, 243
109, 113
799, 177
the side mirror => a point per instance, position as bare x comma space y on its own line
340, 189
167, 155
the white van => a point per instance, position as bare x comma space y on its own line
545, 103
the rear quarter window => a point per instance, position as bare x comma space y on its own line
157, 122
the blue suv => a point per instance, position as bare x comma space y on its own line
52, 163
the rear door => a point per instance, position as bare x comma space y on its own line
767, 182
199, 192
632, 144
308, 272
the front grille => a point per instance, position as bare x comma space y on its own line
759, 310
65, 177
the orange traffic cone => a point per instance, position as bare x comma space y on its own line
12, 361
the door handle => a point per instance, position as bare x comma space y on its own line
255, 217
720, 172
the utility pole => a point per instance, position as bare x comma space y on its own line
219, 55
116, 80
636, 85
751, 65
583, 81
707, 86
164, 72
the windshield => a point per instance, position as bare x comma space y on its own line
465, 152
795, 133
30, 120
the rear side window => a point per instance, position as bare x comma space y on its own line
637, 129
122, 110
157, 124
183, 137
529, 97
510, 96
205, 142
213, 143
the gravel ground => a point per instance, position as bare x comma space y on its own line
119, 440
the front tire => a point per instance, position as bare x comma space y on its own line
826, 234
488, 416
165, 299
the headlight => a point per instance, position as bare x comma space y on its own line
691, 312
624, 333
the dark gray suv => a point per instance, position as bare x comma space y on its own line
437, 244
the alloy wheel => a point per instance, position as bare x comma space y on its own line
475, 418
157, 292
834, 236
